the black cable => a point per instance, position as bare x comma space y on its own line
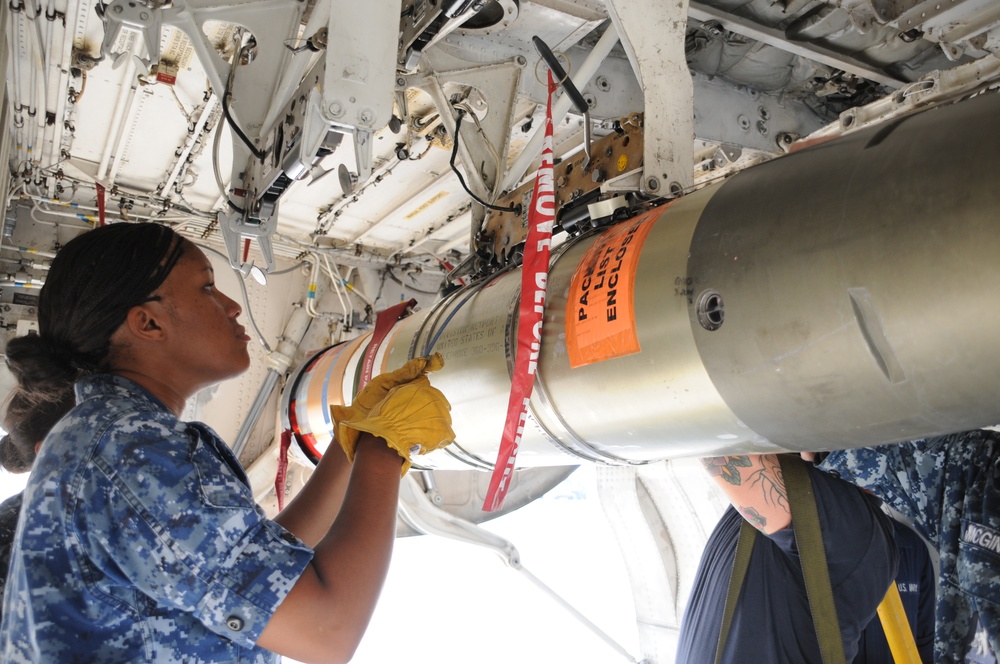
239, 132
454, 153
389, 272
381, 286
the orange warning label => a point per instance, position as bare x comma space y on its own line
600, 310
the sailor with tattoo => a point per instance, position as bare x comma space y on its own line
772, 621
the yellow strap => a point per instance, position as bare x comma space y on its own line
897, 628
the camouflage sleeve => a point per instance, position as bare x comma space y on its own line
948, 487
10, 509
911, 477
166, 512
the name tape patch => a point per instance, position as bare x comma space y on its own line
981, 536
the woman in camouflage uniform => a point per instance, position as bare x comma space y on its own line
139, 537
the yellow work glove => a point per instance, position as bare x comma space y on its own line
413, 418
374, 392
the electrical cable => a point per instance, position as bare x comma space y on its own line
216, 149
217, 141
160, 205
83, 86
311, 298
487, 143
381, 286
89, 220
311, 294
236, 128
225, 103
444, 324
389, 272
461, 180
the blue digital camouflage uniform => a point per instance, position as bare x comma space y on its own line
9, 510
949, 487
140, 542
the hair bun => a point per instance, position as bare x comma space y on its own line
14, 458
29, 416
44, 370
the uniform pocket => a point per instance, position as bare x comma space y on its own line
978, 560
219, 485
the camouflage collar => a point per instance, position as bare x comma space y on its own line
105, 385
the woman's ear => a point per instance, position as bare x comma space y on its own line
142, 321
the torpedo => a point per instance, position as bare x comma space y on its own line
839, 296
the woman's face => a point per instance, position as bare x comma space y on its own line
204, 340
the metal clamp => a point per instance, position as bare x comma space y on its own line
234, 228
139, 16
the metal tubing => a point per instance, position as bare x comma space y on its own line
189, 142
278, 361
122, 106
840, 296
256, 408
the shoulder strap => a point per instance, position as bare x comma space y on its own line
809, 539
744, 547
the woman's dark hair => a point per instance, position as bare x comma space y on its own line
27, 424
92, 284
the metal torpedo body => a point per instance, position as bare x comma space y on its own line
840, 296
